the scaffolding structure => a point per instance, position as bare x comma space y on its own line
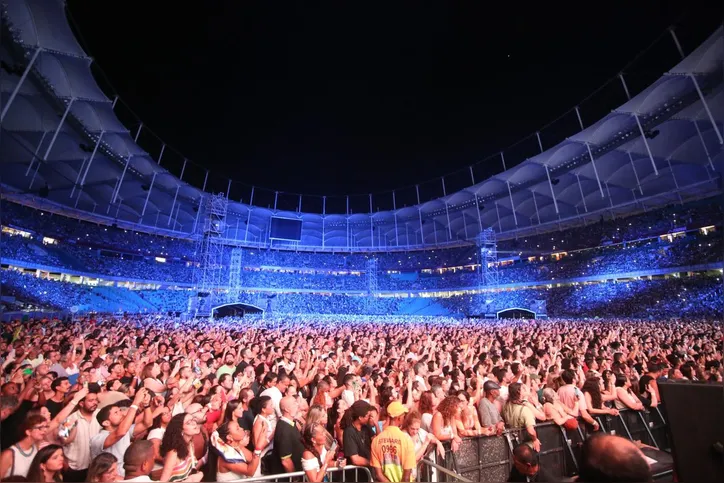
235, 274
208, 275
488, 256
372, 275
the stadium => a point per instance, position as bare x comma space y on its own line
600, 250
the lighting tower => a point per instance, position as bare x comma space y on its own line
208, 275
488, 251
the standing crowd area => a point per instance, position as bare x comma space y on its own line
151, 398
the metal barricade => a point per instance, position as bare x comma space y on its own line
349, 473
489, 458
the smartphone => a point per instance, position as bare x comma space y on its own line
333, 448
28, 371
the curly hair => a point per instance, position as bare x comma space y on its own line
173, 438
447, 408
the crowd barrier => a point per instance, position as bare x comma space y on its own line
489, 458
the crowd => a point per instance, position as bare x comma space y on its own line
698, 295
87, 248
142, 398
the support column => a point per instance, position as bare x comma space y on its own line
198, 213
248, 222
20, 83
77, 177
419, 212
580, 120
502, 158
148, 195
595, 171
703, 145
535, 203
138, 133
347, 235
636, 175
173, 205
706, 107
57, 129
228, 190
394, 213
35, 154
477, 210
540, 144
553, 194
638, 123
299, 205
123, 175
90, 161
497, 211
324, 215
580, 188
372, 225
608, 192
698, 89
447, 212
673, 175
512, 205
206, 179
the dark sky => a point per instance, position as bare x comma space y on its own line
353, 97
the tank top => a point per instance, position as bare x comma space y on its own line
21, 461
183, 468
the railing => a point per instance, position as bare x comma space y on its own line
489, 458
349, 473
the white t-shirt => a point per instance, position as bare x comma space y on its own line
118, 449
348, 397
276, 396
421, 380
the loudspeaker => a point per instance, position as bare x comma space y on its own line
695, 417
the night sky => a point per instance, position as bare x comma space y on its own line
358, 97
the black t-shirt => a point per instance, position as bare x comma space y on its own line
127, 380
246, 421
357, 442
287, 441
54, 407
10, 427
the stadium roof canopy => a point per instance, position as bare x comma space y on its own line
64, 149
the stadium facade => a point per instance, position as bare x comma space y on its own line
64, 150
63, 140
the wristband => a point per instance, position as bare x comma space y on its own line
133, 406
73, 402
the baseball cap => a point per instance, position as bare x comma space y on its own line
490, 386
396, 408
